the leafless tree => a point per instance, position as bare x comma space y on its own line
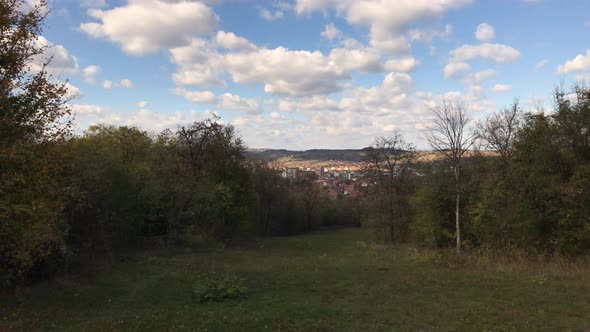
387, 165
499, 131
450, 135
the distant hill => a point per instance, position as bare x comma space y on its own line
315, 155
328, 157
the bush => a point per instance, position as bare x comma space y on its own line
216, 290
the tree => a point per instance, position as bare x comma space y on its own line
33, 117
500, 129
450, 136
387, 164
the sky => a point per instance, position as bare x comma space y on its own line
303, 74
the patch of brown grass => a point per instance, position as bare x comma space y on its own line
554, 267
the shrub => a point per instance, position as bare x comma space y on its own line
216, 290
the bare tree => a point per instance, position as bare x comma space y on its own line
387, 164
499, 131
450, 136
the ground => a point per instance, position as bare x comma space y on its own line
330, 280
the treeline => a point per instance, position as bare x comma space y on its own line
119, 189
67, 201
522, 186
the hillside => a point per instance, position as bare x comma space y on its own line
331, 280
323, 157
346, 155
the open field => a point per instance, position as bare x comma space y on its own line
330, 280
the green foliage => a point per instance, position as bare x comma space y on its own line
533, 196
33, 120
212, 289
433, 222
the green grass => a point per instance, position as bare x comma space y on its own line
325, 281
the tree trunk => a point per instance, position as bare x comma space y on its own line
457, 224
457, 221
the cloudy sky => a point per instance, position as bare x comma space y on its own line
302, 74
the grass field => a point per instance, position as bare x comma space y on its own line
325, 281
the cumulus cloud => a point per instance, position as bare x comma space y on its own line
428, 34
156, 24
142, 104
485, 32
361, 59
580, 63
276, 12
282, 72
502, 88
456, 69
90, 72
229, 40
199, 97
126, 83
107, 84
197, 64
480, 76
285, 72
386, 26
330, 32
87, 115
494, 53
72, 92
62, 62
404, 65
226, 101
93, 3
270, 15
234, 102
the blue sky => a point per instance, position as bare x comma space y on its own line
302, 74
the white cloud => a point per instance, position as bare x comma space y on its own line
230, 41
198, 64
72, 92
386, 26
199, 97
155, 25
502, 88
429, 33
62, 62
90, 72
480, 76
142, 104
107, 84
282, 72
484, 32
330, 32
231, 101
579, 63
87, 115
285, 72
541, 64
404, 65
85, 109
494, 53
456, 69
270, 15
94, 3
226, 101
126, 83
361, 59
279, 8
